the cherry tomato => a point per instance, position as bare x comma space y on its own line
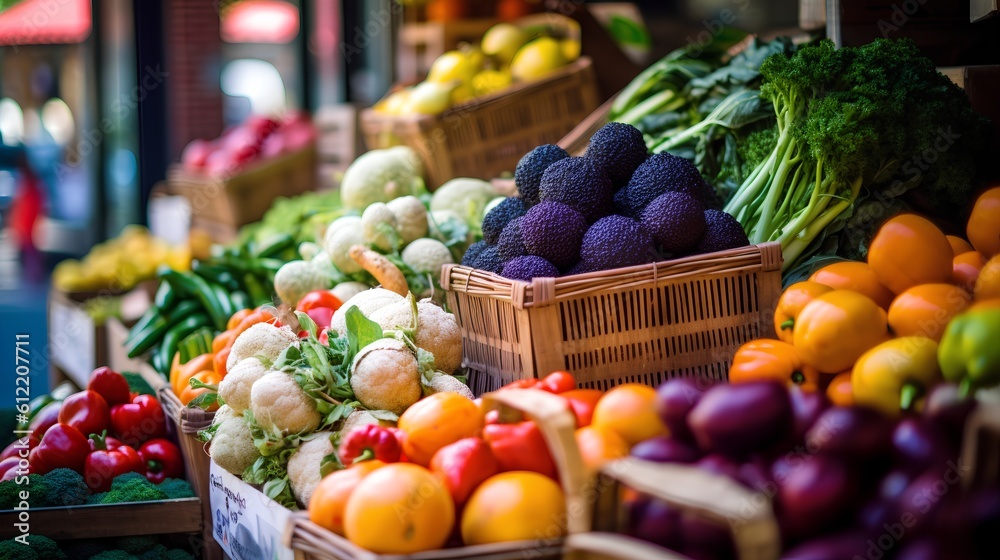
318, 298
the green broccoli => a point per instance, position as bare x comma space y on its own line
13, 550
132, 487
10, 491
64, 487
158, 552
97, 498
114, 555
176, 488
179, 554
135, 544
46, 548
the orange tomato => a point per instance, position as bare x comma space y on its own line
514, 506
189, 393
583, 401
791, 302
839, 390
329, 499
983, 227
854, 276
988, 283
909, 250
958, 245
926, 310
629, 411
836, 328
400, 508
437, 421
765, 359
965, 269
598, 446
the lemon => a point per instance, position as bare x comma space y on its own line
491, 81
395, 102
451, 66
502, 41
570, 49
536, 59
429, 98
462, 93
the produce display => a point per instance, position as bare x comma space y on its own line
259, 138
611, 208
507, 54
120, 548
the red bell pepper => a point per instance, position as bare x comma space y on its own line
162, 460
20, 447
105, 463
9, 465
401, 438
464, 465
109, 384
369, 442
520, 447
61, 446
44, 419
86, 411
555, 382
138, 421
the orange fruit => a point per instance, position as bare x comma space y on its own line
926, 310
988, 283
834, 329
514, 506
436, 421
400, 508
983, 227
598, 446
326, 507
959, 245
965, 269
909, 250
854, 276
629, 411
839, 390
790, 304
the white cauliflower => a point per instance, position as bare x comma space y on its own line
444, 383
464, 196
308, 250
338, 246
411, 218
367, 303
340, 223
279, 405
378, 227
224, 413
427, 256
385, 375
437, 330
232, 445
235, 386
380, 176
304, 465
297, 278
360, 418
262, 339
346, 290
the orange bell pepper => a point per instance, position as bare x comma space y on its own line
237, 318
765, 359
839, 390
251, 319
209, 377
180, 374
791, 302
221, 340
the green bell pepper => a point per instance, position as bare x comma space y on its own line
969, 353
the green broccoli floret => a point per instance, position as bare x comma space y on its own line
135, 544
65, 487
46, 548
13, 550
158, 552
132, 487
179, 554
176, 488
114, 555
96, 498
10, 491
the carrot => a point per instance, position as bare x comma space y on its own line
386, 273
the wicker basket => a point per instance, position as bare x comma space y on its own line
612, 546
715, 498
556, 422
641, 324
489, 135
185, 423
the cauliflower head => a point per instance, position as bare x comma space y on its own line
235, 386
444, 383
464, 196
367, 303
385, 375
380, 176
427, 256
338, 246
297, 278
279, 405
304, 466
346, 290
262, 339
378, 227
340, 223
411, 217
437, 330
232, 445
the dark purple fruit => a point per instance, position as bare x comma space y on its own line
674, 400
666, 450
738, 419
813, 493
854, 432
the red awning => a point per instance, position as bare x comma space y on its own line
260, 21
45, 22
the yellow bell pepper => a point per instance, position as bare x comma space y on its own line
180, 373
896, 375
791, 303
836, 328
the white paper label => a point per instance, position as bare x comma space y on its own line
246, 523
71, 341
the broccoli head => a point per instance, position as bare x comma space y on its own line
496, 219
579, 183
135, 544
176, 488
66, 487
132, 487
13, 550
46, 548
528, 173
616, 242
528, 267
618, 148
10, 491
114, 555
554, 231
158, 552
178, 554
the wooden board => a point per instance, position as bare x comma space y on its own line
113, 520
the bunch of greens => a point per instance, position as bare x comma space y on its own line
855, 127
301, 217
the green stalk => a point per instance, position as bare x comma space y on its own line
796, 247
763, 229
660, 102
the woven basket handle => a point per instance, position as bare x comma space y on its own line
714, 497
558, 426
600, 546
981, 446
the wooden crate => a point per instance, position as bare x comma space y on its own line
182, 515
243, 198
642, 324
557, 424
77, 345
489, 135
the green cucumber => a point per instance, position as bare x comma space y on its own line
178, 332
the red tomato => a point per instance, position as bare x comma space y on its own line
319, 298
558, 382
